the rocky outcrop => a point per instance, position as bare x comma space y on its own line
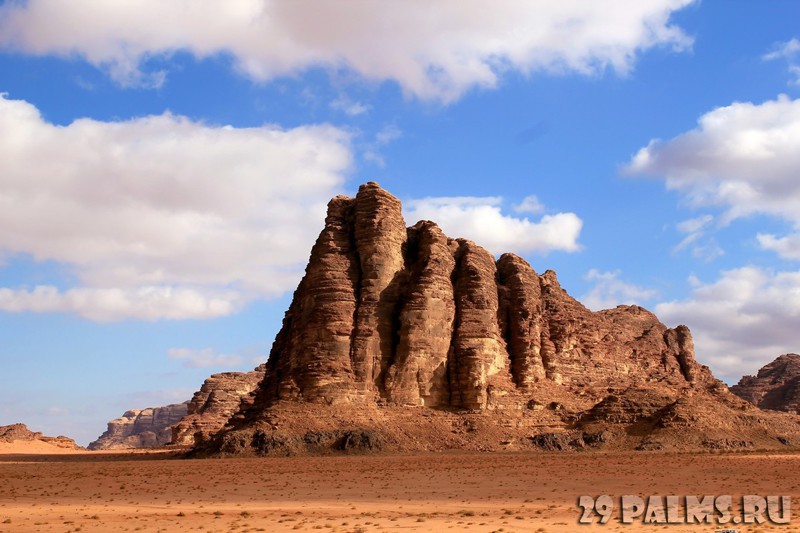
220, 396
145, 428
20, 432
387, 318
776, 386
417, 318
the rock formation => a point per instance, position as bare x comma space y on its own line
20, 432
145, 428
405, 338
217, 400
776, 386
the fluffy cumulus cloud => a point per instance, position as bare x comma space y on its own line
787, 247
205, 358
743, 157
160, 216
434, 50
481, 219
609, 291
741, 321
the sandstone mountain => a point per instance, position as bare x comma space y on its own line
220, 396
403, 338
141, 428
776, 386
20, 432
217, 400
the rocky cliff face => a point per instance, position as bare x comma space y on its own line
20, 432
388, 318
409, 316
217, 400
776, 386
145, 428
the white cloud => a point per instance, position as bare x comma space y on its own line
204, 358
609, 291
348, 107
695, 225
105, 305
529, 204
372, 149
741, 321
434, 50
786, 247
388, 133
790, 51
743, 157
160, 216
480, 219
702, 247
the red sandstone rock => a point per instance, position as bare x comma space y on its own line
388, 318
20, 432
141, 428
220, 396
776, 386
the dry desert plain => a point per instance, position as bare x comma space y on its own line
535, 492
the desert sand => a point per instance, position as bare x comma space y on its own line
536, 492
33, 447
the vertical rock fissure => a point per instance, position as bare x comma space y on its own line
393, 300
423, 317
504, 326
358, 372
454, 390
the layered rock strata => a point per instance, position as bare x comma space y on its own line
20, 432
220, 396
141, 428
387, 318
411, 317
776, 386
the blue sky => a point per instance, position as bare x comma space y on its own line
165, 166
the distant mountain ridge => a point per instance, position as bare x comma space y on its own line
181, 424
20, 432
141, 428
776, 385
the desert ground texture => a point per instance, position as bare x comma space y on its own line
525, 492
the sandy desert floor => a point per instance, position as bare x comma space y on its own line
507, 492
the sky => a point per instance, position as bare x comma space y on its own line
165, 166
